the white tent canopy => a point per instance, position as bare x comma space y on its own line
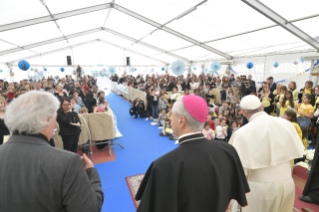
158, 32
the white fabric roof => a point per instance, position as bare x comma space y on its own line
104, 32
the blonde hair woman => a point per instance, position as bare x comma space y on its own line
293, 88
266, 98
3, 128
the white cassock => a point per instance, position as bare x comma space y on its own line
265, 147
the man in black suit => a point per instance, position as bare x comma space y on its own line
252, 81
91, 96
36, 176
272, 84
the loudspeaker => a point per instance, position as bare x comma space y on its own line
127, 61
69, 61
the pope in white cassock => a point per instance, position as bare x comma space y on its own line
265, 147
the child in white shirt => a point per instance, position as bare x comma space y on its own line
221, 130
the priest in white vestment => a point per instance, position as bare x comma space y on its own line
265, 147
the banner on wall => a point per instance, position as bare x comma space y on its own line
284, 80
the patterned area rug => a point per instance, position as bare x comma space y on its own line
133, 183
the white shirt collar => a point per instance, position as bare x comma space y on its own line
188, 134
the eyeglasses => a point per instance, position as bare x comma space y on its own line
66, 105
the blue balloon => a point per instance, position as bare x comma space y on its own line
216, 66
31, 69
23, 65
62, 69
250, 65
276, 64
45, 69
302, 59
178, 67
112, 70
163, 69
135, 69
92, 71
194, 68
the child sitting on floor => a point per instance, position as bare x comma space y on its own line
167, 131
162, 117
208, 132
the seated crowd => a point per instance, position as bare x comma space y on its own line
223, 96
79, 96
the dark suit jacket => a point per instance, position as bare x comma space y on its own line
188, 86
37, 177
273, 87
253, 83
66, 87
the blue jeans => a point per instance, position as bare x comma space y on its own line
154, 111
304, 122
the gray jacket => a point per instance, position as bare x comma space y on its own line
37, 177
162, 103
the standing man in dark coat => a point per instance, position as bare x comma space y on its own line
272, 84
253, 83
198, 176
79, 71
36, 176
91, 96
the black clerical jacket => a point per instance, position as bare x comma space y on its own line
312, 185
199, 176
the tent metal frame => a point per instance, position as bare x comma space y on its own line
275, 17
85, 43
258, 6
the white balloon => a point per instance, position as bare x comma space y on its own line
296, 62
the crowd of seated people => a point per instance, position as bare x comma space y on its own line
76, 97
225, 115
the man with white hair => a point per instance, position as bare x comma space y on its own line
199, 175
266, 145
37, 177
